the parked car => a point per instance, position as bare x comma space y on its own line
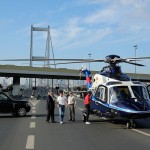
15, 107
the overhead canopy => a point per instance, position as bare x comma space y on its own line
52, 73
39, 72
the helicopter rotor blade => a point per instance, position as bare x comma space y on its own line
135, 58
137, 64
111, 59
45, 59
75, 62
14, 59
41, 59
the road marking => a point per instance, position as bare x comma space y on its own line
139, 131
33, 117
33, 108
32, 124
34, 102
30, 142
33, 111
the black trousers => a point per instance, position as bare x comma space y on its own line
50, 114
87, 107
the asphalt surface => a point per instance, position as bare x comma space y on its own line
32, 132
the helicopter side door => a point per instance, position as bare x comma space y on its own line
100, 99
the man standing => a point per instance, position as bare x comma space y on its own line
87, 100
71, 106
61, 101
50, 107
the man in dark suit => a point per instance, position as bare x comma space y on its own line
50, 106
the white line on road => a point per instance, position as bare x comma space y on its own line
34, 102
139, 131
30, 142
32, 124
33, 108
33, 111
33, 117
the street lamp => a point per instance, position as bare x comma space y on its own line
89, 60
135, 46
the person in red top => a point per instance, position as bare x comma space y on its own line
87, 100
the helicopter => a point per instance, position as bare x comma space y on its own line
115, 95
131, 100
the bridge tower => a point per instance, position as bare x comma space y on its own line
46, 53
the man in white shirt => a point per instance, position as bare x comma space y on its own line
61, 101
71, 106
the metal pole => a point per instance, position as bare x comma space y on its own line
31, 45
68, 84
52, 85
31, 53
89, 59
135, 46
35, 84
48, 53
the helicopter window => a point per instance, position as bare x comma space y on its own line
136, 82
148, 88
140, 92
100, 93
113, 82
119, 93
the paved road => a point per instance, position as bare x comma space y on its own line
32, 132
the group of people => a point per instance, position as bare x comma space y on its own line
61, 102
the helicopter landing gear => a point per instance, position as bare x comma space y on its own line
131, 123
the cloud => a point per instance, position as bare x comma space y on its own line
87, 38
127, 18
75, 35
102, 16
118, 20
92, 2
115, 19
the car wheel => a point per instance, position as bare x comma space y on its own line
21, 112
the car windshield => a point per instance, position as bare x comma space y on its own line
3, 97
119, 93
140, 92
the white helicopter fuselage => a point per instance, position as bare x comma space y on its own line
114, 94
108, 82
132, 99
100, 79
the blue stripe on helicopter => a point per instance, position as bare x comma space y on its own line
118, 108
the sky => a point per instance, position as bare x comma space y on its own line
78, 28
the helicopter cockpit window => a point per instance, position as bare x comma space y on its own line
140, 92
100, 94
119, 93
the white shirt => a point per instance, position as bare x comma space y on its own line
71, 100
61, 100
